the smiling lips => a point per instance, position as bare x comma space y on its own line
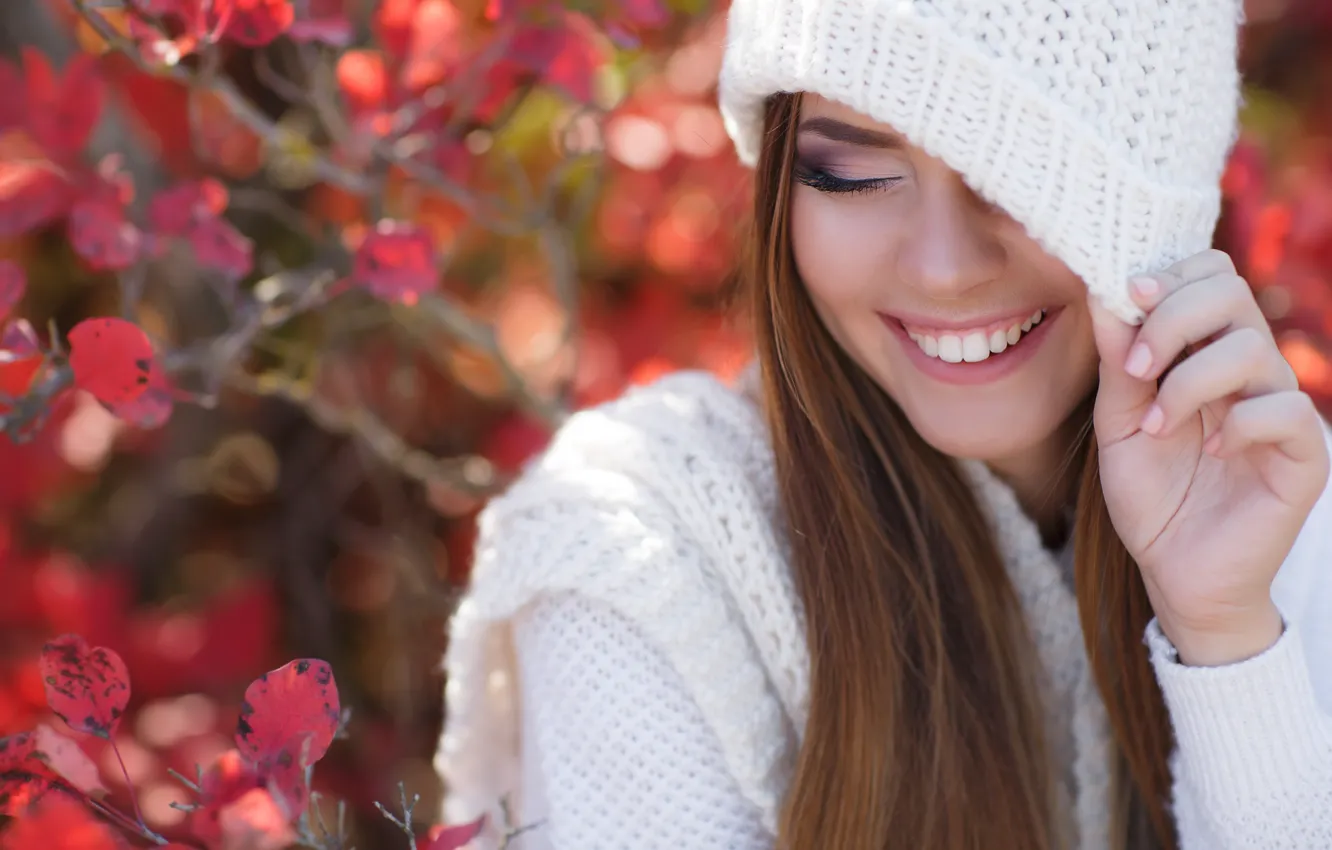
972, 345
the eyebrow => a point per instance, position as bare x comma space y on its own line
840, 131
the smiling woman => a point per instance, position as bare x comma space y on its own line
1015, 533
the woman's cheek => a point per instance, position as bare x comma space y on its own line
841, 248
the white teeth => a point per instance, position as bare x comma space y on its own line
976, 346
950, 349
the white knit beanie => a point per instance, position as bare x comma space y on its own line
1102, 126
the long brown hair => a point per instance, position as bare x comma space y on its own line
925, 726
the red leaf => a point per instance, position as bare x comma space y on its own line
31, 197
178, 210
566, 54
255, 822
286, 777
24, 777
152, 408
112, 359
227, 779
86, 688
396, 263
62, 112
435, 48
20, 358
13, 100
191, 210
282, 708
13, 282
60, 823
393, 25
255, 23
454, 837
102, 236
219, 246
65, 757
363, 80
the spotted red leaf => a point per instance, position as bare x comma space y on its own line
24, 776
286, 777
255, 23
454, 837
151, 408
396, 262
13, 282
62, 110
102, 236
111, 358
88, 688
289, 715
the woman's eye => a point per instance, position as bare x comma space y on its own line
817, 178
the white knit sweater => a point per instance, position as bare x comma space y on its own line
628, 666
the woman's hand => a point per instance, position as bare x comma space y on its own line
1209, 478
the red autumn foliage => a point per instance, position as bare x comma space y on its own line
13, 282
87, 687
396, 262
60, 823
111, 358
371, 268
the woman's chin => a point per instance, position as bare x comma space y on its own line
988, 434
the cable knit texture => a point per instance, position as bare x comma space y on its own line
628, 666
1103, 127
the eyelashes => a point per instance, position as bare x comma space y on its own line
820, 180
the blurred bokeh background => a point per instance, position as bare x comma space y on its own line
321, 502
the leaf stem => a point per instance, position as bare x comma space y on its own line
129, 786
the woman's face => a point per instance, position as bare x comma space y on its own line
981, 337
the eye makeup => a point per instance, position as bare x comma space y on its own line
822, 180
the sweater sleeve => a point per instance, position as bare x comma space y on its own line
1253, 766
616, 754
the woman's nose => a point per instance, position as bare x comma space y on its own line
954, 246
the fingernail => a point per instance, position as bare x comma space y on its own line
1139, 360
1146, 287
1155, 418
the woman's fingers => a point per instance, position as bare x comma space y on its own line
1188, 316
1243, 363
1288, 422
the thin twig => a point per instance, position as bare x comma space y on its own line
473, 475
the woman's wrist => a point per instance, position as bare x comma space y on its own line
1236, 641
